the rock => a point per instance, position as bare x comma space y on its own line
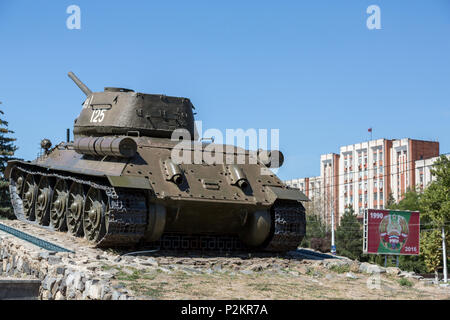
107, 296
105, 275
70, 294
191, 270
256, 268
19, 264
217, 267
247, 272
371, 268
363, 267
105, 290
54, 260
164, 270
406, 274
128, 271
329, 276
59, 296
118, 286
26, 268
95, 290
150, 262
55, 286
393, 271
48, 282
276, 266
351, 275
78, 281
63, 287
60, 270
303, 269
115, 295
123, 297
43, 255
69, 279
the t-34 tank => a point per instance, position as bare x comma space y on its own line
121, 181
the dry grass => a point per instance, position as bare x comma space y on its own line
313, 285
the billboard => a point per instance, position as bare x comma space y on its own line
393, 232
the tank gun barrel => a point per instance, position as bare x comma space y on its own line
80, 84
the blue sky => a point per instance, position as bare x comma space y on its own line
309, 68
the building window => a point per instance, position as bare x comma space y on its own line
375, 196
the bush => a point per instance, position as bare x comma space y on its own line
404, 282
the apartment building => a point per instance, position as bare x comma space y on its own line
365, 174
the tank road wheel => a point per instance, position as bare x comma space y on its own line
17, 179
256, 229
29, 196
95, 215
74, 212
58, 205
16, 183
42, 204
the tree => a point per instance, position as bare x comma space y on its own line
7, 150
390, 201
314, 229
431, 249
435, 203
436, 197
349, 236
410, 202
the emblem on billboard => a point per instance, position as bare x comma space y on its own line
393, 231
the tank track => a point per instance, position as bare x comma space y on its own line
127, 215
288, 231
127, 222
289, 227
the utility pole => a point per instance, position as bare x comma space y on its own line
333, 246
334, 198
444, 255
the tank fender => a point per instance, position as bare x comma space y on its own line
277, 193
156, 222
256, 228
130, 182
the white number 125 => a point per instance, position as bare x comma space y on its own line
98, 116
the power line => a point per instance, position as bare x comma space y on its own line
368, 178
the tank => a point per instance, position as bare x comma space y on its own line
121, 182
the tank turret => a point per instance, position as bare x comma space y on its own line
120, 111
